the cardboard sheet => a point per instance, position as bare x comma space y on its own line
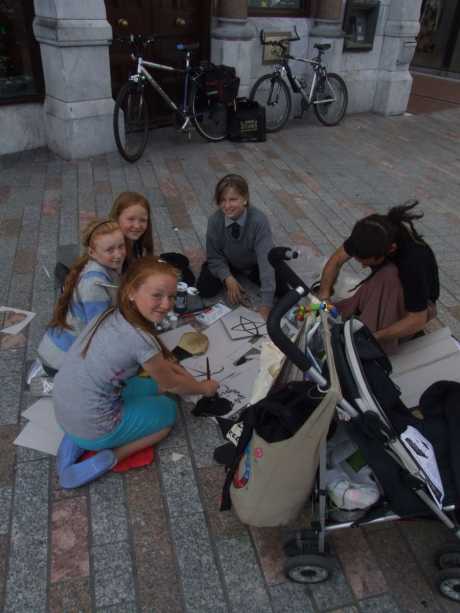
423, 361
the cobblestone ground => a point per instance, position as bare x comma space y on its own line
153, 539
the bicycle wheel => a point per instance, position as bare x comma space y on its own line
333, 88
209, 114
131, 121
271, 92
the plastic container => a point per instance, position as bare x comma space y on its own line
181, 298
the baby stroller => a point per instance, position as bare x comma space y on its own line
394, 443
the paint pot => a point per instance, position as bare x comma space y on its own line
173, 320
181, 298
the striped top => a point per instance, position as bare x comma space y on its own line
89, 299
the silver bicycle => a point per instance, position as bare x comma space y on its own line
327, 91
200, 107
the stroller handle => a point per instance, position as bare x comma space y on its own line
277, 257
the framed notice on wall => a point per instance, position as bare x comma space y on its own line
273, 53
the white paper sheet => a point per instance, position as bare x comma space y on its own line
222, 352
172, 337
41, 412
243, 323
42, 439
16, 328
422, 451
42, 432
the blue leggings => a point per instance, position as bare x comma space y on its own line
144, 412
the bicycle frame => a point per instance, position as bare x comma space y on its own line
143, 73
318, 68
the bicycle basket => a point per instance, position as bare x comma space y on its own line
221, 82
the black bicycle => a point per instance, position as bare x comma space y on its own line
327, 91
200, 107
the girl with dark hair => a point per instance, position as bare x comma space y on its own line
87, 290
100, 402
398, 297
238, 240
132, 211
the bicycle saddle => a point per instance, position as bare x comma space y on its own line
323, 47
187, 46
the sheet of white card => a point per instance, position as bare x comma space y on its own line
16, 328
222, 353
244, 323
238, 388
42, 432
45, 439
172, 337
41, 412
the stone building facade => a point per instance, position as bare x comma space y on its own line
75, 117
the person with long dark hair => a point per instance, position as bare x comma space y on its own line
399, 295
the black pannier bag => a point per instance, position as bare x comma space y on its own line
246, 121
221, 82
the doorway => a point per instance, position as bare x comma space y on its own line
438, 41
175, 21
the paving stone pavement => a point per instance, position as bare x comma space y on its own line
153, 540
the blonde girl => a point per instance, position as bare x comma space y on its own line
132, 211
87, 291
100, 402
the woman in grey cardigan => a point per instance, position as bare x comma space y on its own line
238, 240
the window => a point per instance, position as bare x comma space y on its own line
278, 7
21, 78
277, 4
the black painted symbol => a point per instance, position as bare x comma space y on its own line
248, 326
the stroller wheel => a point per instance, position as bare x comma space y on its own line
448, 556
448, 582
309, 568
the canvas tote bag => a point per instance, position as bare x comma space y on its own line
274, 480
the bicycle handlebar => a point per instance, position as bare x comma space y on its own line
137, 39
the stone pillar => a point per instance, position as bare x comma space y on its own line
231, 40
74, 41
328, 19
327, 28
394, 80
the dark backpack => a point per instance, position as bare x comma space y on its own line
221, 82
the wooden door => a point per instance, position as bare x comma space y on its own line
175, 21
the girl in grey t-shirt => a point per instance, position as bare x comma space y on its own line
99, 401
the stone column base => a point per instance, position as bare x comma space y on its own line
392, 92
74, 41
79, 129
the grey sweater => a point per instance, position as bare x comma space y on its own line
248, 250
